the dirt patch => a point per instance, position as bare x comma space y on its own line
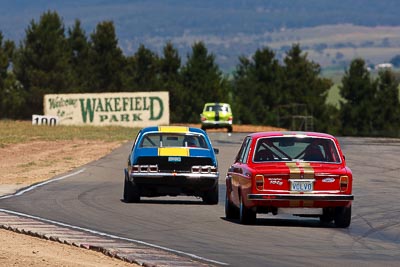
28, 163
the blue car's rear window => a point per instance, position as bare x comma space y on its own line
173, 140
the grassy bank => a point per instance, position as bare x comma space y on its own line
12, 132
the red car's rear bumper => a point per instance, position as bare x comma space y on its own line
298, 200
288, 197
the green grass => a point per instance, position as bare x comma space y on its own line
12, 132
334, 96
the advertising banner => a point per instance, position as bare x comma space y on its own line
139, 109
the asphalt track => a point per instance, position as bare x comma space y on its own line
90, 197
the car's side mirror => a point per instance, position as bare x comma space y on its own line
216, 150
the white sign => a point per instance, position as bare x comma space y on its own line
138, 109
44, 120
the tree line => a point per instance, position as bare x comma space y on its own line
52, 59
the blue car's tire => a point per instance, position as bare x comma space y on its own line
131, 192
211, 197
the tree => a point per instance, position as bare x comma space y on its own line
12, 98
170, 65
143, 71
387, 105
42, 61
257, 81
203, 81
6, 52
358, 91
79, 57
106, 60
302, 85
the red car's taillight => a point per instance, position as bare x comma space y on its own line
344, 183
259, 181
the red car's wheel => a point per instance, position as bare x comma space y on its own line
246, 216
327, 215
231, 212
342, 216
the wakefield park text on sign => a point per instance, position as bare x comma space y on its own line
138, 109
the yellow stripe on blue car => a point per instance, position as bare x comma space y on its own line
173, 129
173, 151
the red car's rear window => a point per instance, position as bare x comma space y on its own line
292, 148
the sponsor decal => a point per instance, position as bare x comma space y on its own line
174, 159
277, 181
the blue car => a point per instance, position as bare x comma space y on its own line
172, 161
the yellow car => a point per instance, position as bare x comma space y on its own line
216, 115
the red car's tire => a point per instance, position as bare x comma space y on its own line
342, 217
246, 216
231, 212
327, 215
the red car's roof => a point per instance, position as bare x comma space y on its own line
290, 133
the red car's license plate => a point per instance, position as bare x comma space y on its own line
301, 185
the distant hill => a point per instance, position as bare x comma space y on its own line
230, 28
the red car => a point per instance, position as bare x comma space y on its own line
298, 173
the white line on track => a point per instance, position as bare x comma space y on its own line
94, 231
19, 193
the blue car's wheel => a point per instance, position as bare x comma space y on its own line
131, 192
211, 197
